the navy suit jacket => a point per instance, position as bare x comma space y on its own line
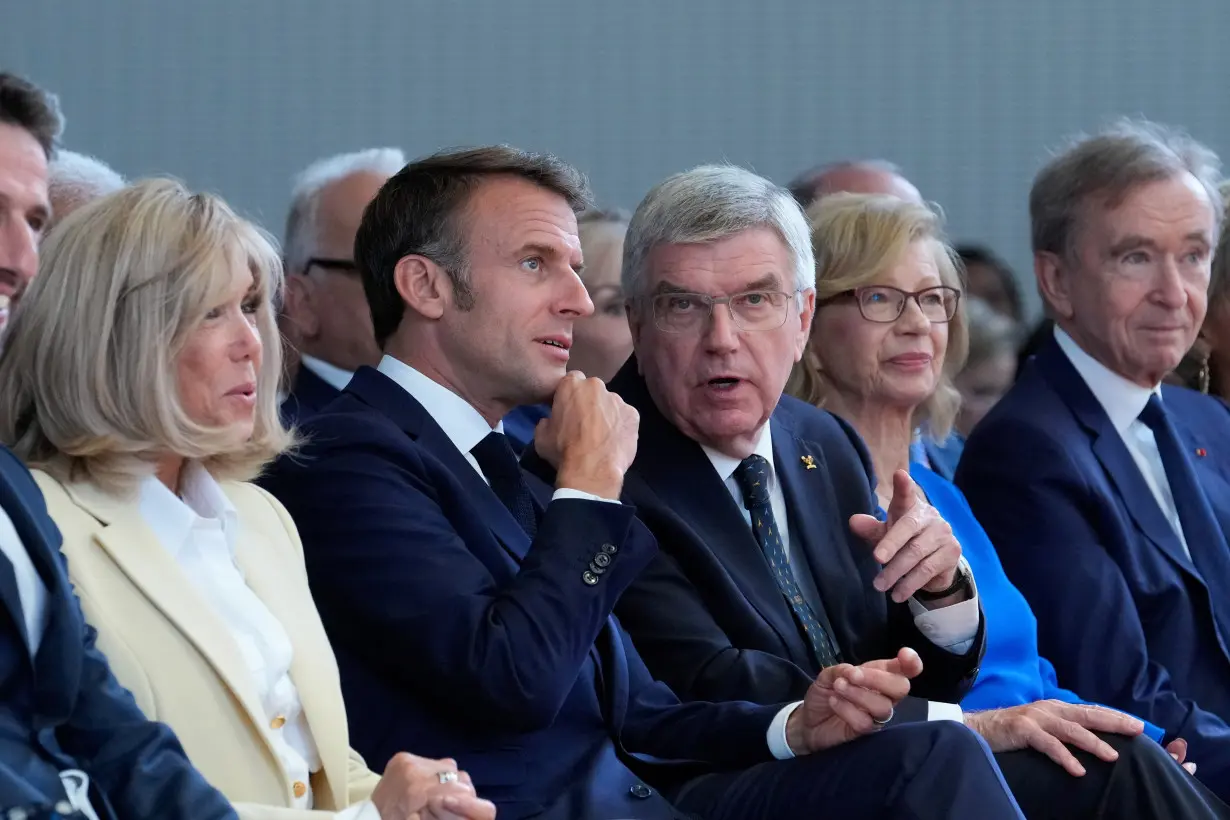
1122, 612
456, 636
308, 397
63, 709
707, 614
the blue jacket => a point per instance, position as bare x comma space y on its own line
63, 709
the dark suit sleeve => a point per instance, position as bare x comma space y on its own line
137, 763
1035, 512
399, 587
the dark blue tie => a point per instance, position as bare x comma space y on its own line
1205, 540
753, 475
499, 464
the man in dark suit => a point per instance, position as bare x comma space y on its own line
71, 739
324, 313
1106, 494
773, 566
470, 605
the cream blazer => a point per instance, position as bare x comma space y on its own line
167, 647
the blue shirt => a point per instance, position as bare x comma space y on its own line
1012, 672
519, 424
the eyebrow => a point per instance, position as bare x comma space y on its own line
1136, 241
766, 281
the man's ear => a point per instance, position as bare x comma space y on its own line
1053, 273
807, 314
423, 285
299, 305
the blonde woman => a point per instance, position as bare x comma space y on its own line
141, 385
887, 337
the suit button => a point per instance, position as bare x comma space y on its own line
602, 559
278, 722
589, 578
641, 792
595, 569
299, 788
610, 549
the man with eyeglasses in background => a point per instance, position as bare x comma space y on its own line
324, 314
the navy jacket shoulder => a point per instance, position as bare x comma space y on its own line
77, 716
308, 396
708, 615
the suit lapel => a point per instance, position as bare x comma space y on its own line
382, 393
1113, 455
319, 694
677, 470
137, 552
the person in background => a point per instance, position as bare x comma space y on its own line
75, 180
601, 342
888, 335
1104, 491
989, 278
72, 741
141, 445
1206, 367
324, 315
990, 367
860, 176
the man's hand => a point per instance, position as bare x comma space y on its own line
1178, 750
915, 545
589, 438
1048, 724
847, 701
411, 790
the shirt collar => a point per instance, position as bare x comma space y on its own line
1121, 399
726, 465
330, 374
172, 516
463, 425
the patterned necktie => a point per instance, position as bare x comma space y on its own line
752, 475
499, 464
1205, 540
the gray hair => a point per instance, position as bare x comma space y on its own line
709, 203
74, 179
300, 238
1109, 166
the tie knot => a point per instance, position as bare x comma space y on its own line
497, 457
752, 475
1154, 414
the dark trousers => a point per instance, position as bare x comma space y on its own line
914, 771
1143, 783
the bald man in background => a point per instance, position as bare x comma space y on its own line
866, 176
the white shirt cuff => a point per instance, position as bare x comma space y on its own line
951, 628
359, 811
776, 735
938, 710
564, 492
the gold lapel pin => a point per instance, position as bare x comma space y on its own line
809, 462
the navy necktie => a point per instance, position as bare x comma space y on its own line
499, 463
752, 475
1205, 540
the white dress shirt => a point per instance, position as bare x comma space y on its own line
31, 591
330, 374
465, 428
951, 628
1123, 402
199, 530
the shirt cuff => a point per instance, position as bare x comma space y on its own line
951, 628
776, 735
359, 811
564, 493
938, 710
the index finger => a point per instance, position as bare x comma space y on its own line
904, 496
892, 685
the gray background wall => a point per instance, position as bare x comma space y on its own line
967, 95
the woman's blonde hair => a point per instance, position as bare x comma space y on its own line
856, 238
89, 361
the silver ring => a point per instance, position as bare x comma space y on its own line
891, 712
447, 777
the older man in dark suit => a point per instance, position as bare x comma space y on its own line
776, 562
1107, 494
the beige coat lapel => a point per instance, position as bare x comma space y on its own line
275, 574
135, 548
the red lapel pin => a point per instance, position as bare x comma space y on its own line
1201, 452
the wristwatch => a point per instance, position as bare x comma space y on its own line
960, 580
